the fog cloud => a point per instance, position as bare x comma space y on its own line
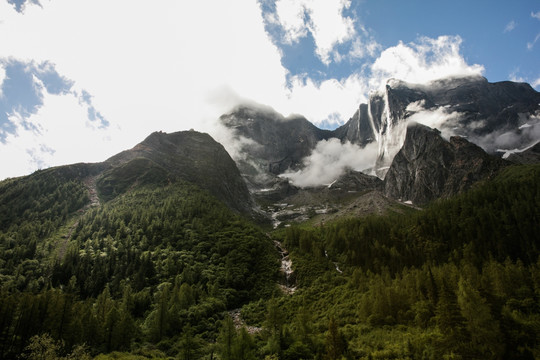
511, 140
329, 160
440, 118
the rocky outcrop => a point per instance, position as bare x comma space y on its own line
428, 167
356, 181
187, 155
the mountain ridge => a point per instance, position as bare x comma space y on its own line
492, 115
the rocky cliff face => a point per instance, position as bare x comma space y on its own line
187, 155
428, 167
272, 143
502, 115
492, 115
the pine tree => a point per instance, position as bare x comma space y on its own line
485, 336
335, 342
226, 339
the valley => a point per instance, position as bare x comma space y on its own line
175, 249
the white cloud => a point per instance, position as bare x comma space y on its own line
536, 15
291, 15
536, 83
312, 99
510, 26
514, 76
177, 65
55, 135
2, 78
361, 49
438, 118
148, 67
322, 18
421, 62
329, 160
530, 45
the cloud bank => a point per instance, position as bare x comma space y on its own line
329, 160
440, 118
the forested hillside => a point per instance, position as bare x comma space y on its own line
458, 280
158, 271
152, 264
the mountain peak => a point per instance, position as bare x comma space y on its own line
186, 155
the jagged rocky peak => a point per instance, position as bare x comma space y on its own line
500, 115
428, 167
495, 116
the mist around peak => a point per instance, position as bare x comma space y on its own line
329, 160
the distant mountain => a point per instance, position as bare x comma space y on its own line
428, 167
154, 252
275, 143
500, 115
496, 116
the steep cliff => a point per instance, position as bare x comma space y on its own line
428, 167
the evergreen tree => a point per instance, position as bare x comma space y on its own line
226, 339
485, 336
335, 343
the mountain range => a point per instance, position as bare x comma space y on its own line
421, 227
499, 118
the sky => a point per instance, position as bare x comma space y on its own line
81, 80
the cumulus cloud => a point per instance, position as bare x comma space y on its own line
291, 15
152, 67
311, 98
323, 19
329, 160
536, 15
421, 62
536, 83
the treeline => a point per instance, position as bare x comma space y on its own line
153, 272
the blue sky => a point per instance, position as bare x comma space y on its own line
81, 80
